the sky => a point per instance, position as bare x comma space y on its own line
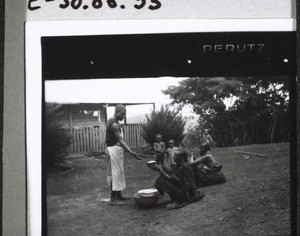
141, 90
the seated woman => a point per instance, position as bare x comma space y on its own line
207, 170
180, 183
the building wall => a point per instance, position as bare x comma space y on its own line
82, 118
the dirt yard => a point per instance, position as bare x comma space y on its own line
254, 201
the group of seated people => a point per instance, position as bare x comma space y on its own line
185, 173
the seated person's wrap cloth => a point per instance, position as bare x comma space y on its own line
207, 170
206, 176
182, 186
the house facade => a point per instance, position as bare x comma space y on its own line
88, 115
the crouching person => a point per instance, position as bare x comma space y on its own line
207, 171
180, 183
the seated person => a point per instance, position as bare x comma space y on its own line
169, 156
207, 170
180, 184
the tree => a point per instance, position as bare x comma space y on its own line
56, 139
257, 105
166, 122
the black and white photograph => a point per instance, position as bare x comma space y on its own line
160, 130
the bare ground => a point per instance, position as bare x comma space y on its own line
254, 201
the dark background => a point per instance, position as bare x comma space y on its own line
156, 55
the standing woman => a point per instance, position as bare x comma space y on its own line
115, 147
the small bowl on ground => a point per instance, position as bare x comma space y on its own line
145, 202
150, 163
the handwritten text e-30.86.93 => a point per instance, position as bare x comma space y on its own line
97, 4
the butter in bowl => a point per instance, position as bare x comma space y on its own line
150, 192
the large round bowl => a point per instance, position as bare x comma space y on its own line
145, 202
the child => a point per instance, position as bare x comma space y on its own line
207, 139
159, 147
169, 155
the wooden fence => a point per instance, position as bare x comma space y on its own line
87, 139
132, 134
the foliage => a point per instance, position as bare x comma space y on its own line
191, 139
56, 139
166, 122
237, 110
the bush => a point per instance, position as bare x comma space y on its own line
191, 140
169, 124
56, 139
